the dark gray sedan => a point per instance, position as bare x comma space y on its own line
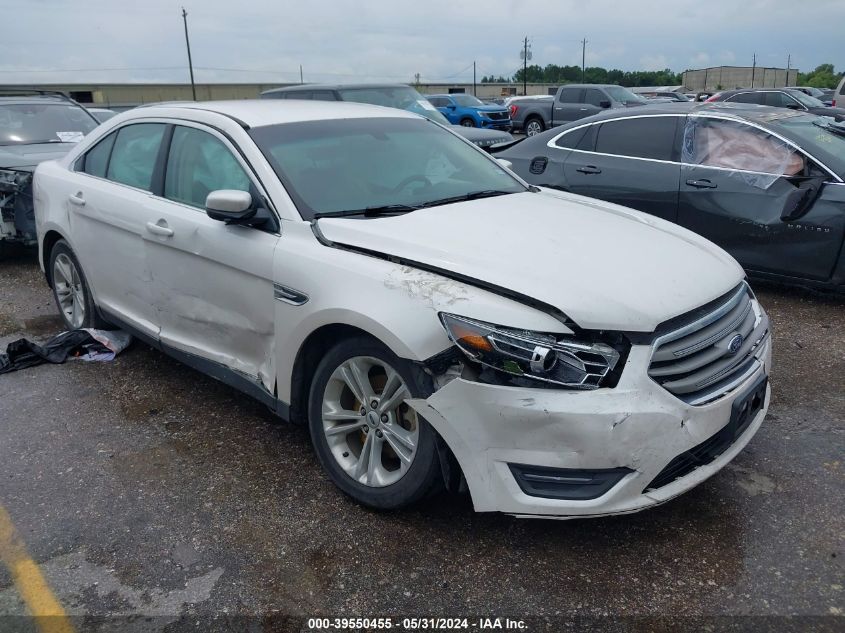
766, 184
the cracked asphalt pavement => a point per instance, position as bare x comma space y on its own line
143, 488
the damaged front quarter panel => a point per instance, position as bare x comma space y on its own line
17, 215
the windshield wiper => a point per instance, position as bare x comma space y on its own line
369, 212
474, 195
835, 128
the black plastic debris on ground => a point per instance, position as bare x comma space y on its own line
84, 344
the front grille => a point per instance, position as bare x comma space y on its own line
497, 116
708, 357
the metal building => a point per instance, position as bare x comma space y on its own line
730, 77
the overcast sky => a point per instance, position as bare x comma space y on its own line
79, 41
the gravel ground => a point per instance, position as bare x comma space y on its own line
143, 488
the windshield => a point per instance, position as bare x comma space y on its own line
402, 97
467, 101
349, 164
818, 136
806, 100
624, 96
26, 123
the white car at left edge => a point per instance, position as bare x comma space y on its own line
434, 320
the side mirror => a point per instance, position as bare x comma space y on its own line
798, 201
604, 103
505, 163
229, 205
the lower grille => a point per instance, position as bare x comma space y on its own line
705, 359
742, 413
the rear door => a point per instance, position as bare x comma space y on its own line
212, 281
630, 161
736, 182
568, 105
107, 221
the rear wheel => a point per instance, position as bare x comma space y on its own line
534, 126
375, 447
467, 122
70, 290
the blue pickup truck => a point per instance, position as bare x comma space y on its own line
466, 110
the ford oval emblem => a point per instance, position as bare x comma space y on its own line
735, 344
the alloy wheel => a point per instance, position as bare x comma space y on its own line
370, 430
70, 292
532, 129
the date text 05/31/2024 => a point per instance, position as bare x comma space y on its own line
415, 624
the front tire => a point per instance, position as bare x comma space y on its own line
467, 122
374, 447
71, 291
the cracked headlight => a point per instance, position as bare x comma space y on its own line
543, 357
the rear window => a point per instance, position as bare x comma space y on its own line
133, 157
570, 95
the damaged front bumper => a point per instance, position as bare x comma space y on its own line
17, 214
626, 445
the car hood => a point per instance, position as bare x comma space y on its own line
490, 108
605, 266
482, 137
27, 157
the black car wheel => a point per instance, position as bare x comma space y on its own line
534, 126
467, 122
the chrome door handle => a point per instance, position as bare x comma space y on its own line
77, 199
158, 229
583, 109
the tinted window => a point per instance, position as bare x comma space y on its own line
97, 157
323, 95
746, 97
573, 138
649, 137
780, 100
570, 95
594, 97
197, 164
437, 102
134, 155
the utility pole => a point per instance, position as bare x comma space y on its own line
473, 80
300, 74
583, 57
525, 53
188, 44
753, 68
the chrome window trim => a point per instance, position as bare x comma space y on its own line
551, 144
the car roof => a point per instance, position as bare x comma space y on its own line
304, 87
754, 113
36, 99
259, 112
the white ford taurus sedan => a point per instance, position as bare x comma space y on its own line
434, 320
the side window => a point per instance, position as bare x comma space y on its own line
437, 102
570, 95
133, 157
780, 100
594, 97
323, 95
734, 145
97, 158
197, 164
746, 97
571, 139
647, 137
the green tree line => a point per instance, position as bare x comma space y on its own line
822, 77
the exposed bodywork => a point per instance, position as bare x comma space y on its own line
253, 306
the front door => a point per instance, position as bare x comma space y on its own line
736, 183
212, 282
